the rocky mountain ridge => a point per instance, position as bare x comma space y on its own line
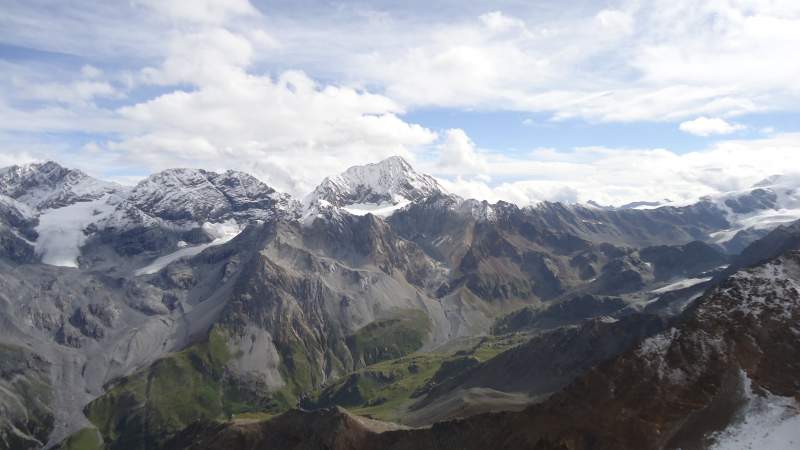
230, 298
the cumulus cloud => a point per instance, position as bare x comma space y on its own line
457, 154
617, 176
288, 129
207, 57
217, 110
707, 126
668, 61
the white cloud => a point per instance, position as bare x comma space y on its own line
615, 21
236, 88
290, 130
203, 11
670, 60
457, 154
211, 56
90, 71
496, 21
625, 61
218, 111
707, 126
618, 176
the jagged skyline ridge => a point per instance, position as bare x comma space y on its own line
500, 101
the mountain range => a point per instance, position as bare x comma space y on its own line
207, 310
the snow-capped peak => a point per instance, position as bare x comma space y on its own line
61, 203
195, 196
48, 185
380, 187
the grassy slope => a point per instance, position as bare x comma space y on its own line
85, 439
391, 338
386, 389
144, 409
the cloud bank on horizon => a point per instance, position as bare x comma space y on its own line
292, 92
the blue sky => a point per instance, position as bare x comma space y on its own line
611, 101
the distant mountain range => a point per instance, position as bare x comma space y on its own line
186, 311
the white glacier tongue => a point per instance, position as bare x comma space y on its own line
379, 188
61, 230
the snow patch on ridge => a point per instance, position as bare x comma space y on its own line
681, 284
221, 232
766, 422
385, 209
654, 350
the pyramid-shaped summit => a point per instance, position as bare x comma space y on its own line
391, 181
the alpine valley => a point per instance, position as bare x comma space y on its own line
203, 310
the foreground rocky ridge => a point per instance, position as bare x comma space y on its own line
681, 388
261, 301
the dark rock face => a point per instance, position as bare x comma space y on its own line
778, 241
622, 275
742, 239
755, 200
13, 215
84, 319
631, 227
147, 239
682, 261
570, 311
16, 231
15, 248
